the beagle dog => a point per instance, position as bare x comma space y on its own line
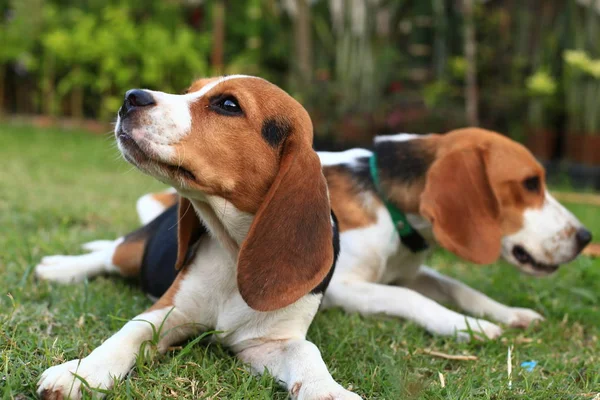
247, 252
474, 192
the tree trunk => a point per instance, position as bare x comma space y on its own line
218, 48
77, 96
48, 99
302, 33
471, 95
2, 81
77, 103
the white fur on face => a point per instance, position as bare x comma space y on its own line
157, 128
548, 235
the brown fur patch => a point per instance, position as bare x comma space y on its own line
168, 299
188, 223
406, 197
296, 388
48, 394
167, 199
128, 256
347, 201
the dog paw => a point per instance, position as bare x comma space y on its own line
58, 268
65, 381
480, 329
522, 317
70, 269
322, 391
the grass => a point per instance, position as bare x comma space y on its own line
59, 189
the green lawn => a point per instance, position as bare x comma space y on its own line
59, 189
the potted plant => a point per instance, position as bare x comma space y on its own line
541, 135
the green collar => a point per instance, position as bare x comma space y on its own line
409, 236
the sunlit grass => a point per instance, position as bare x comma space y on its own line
60, 189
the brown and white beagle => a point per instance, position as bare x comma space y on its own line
474, 192
253, 236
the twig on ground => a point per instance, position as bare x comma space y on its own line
509, 366
449, 356
520, 340
442, 380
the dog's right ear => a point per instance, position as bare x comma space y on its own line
189, 230
459, 202
289, 248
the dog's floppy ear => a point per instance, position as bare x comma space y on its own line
462, 207
289, 248
189, 229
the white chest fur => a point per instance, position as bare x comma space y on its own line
376, 254
209, 296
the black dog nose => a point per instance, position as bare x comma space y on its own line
135, 98
139, 98
583, 237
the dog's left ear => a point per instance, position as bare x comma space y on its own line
461, 205
289, 248
189, 229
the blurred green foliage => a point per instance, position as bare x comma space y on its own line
103, 48
375, 66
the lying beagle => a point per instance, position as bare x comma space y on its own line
253, 236
475, 192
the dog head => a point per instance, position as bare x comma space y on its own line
243, 140
485, 196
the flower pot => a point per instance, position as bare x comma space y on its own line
574, 147
542, 143
583, 149
590, 152
583, 153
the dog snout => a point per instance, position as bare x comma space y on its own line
583, 238
135, 98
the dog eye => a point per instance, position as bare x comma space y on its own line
532, 184
227, 105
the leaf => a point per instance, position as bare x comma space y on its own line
584, 293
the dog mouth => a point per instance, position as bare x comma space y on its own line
524, 258
135, 155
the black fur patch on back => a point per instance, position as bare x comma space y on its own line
361, 174
158, 265
274, 131
402, 162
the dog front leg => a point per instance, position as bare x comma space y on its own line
445, 289
112, 360
298, 365
372, 298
